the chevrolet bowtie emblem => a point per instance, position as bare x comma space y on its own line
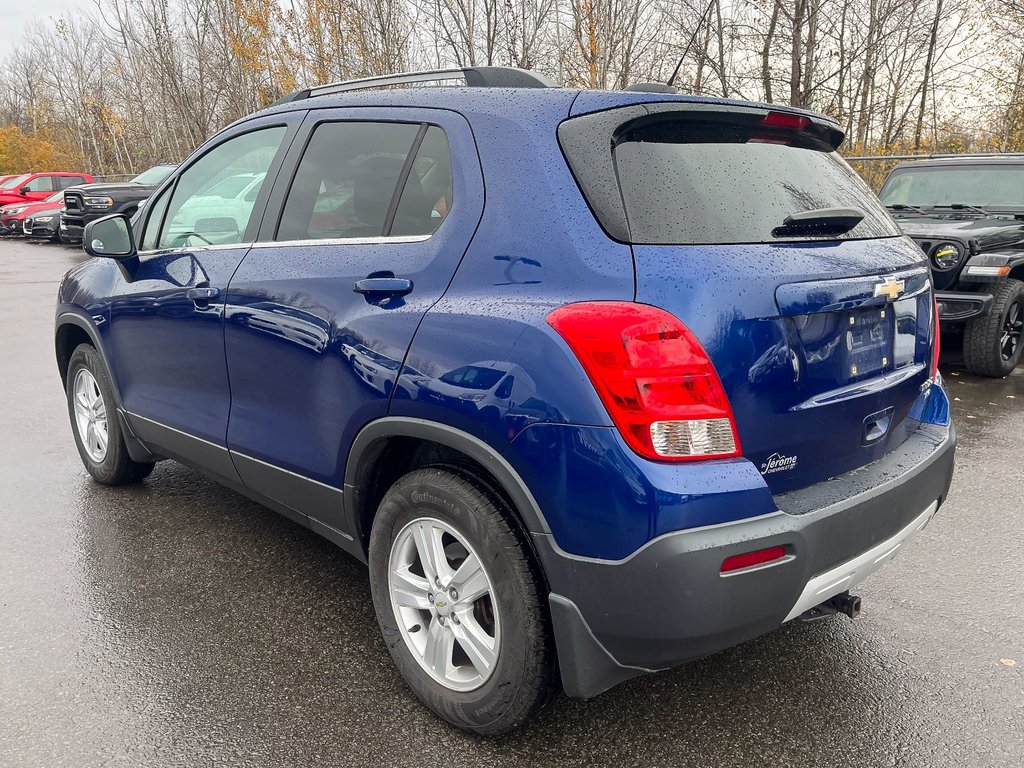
891, 288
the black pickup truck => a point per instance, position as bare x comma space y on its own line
967, 214
88, 202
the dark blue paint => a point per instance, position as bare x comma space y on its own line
601, 499
290, 361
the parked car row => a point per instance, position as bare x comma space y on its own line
56, 206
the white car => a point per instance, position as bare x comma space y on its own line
230, 198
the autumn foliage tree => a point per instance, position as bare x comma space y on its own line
133, 82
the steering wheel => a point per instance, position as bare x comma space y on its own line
180, 239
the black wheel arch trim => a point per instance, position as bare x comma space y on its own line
80, 319
487, 456
137, 450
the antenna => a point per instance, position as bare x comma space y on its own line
703, 18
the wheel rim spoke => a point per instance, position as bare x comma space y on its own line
438, 651
470, 580
431, 552
410, 590
478, 645
101, 436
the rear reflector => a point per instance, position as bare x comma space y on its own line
786, 120
750, 559
935, 344
654, 377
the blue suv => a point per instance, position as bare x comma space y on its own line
596, 383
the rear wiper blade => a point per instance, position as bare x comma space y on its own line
823, 221
964, 207
902, 207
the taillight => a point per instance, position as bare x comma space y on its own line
935, 344
786, 120
657, 382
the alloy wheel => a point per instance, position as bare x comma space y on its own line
90, 415
1012, 328
444, 602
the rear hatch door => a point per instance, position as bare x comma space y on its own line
821, 331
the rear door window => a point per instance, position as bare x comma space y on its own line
694, 181
345, 184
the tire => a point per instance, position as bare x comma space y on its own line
91, 399
522, 675
987, 340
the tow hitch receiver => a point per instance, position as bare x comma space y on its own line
844, 603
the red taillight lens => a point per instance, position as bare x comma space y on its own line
657, 382
750, 559
935, 344
786, 120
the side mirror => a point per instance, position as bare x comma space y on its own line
25, 190
110, 237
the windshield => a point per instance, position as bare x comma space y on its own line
12, 183
695, 182
56, 197
998, 187
230, 187
154, 175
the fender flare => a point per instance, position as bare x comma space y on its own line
78, 318
137, 450
487, 456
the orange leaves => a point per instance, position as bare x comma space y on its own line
21, 152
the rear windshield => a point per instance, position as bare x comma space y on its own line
983, 186
696, 182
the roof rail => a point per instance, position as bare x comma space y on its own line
475, 77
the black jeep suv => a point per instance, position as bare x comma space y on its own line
88, 202
967, 214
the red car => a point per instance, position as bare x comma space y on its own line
31, 187
12, 216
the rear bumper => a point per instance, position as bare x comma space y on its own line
668, 603
959, 306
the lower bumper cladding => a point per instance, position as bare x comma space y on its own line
672, 601
838, 580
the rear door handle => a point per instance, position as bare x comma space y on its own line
394, 286
202, 294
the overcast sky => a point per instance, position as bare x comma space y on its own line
15, 16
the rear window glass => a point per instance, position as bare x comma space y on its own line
695, 182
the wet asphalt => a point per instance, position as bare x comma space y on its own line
176, 623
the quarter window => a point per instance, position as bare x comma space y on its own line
345, 185
206, 206
427, 196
